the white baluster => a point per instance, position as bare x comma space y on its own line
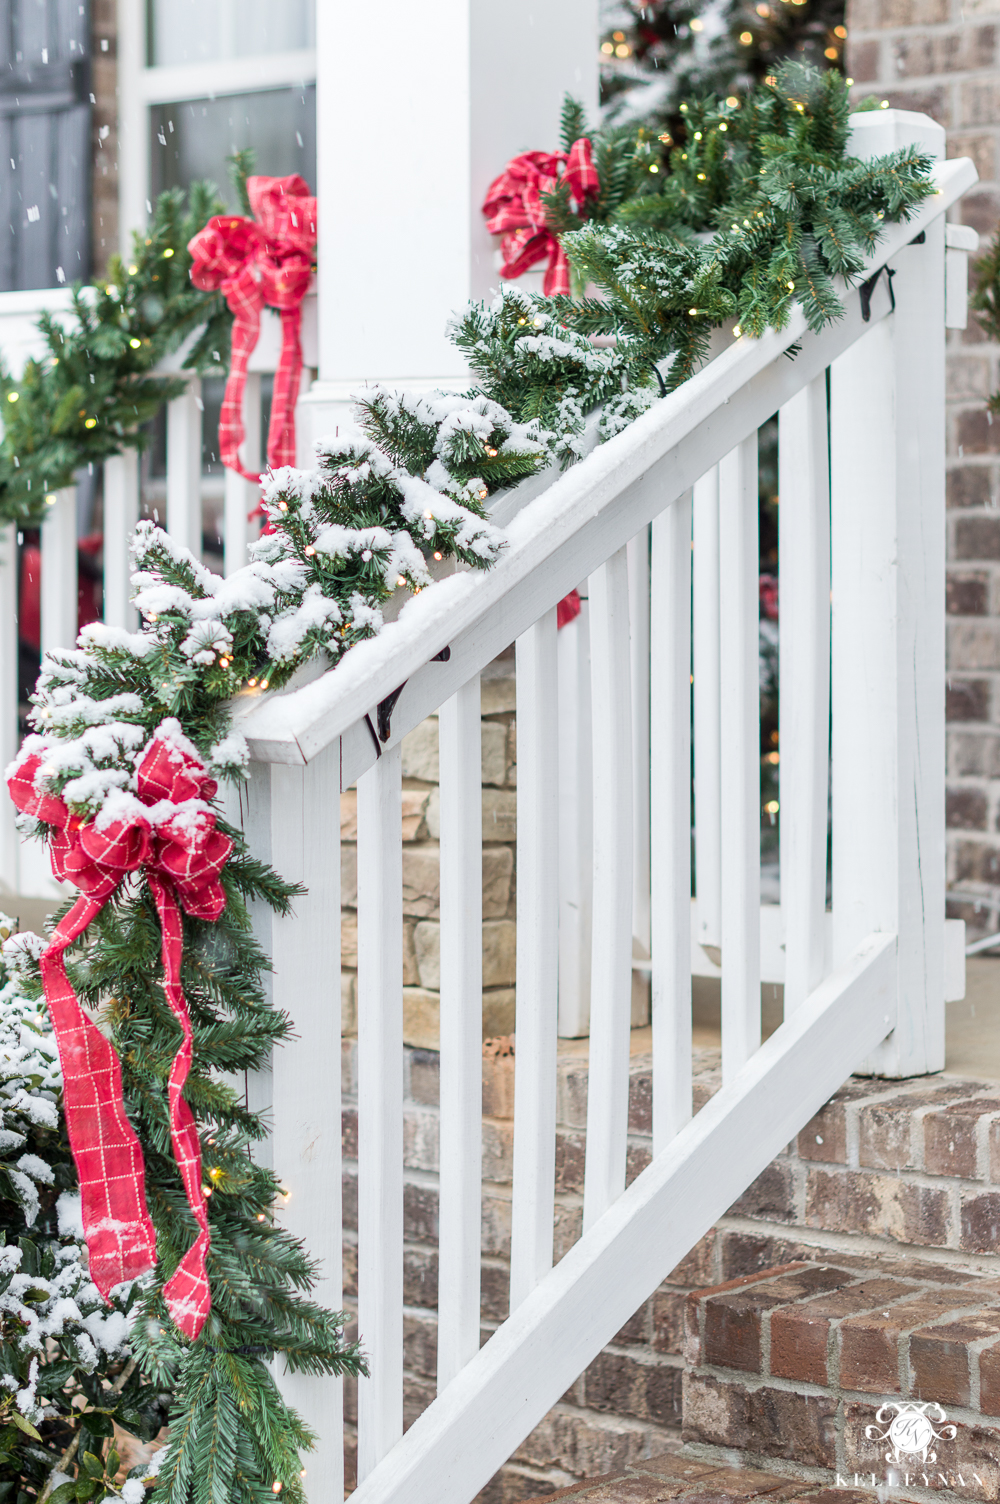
740, 762
305, 1111
670, 785
804, 627
241, 496
611, 966
576, 849
707, 733
121, 513
380, 1107
533, 1204
638, 590
461, 1061
10, 845
59, 571
184, 468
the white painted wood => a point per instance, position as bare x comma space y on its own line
576, 842
380, 1108
133, 147
458, 1443
305, 844
887, 425
121, 513
707, 711
639, 611
670, 784
956, 289
460, 1219
184, 467
740, 762
9, 841
804, 657
533, 1203
254, 805
611, 963
241, 496
59, 571
593, 509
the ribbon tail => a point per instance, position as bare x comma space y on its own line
281, 429
121, 1241
557, 272
187, 1291
246, 330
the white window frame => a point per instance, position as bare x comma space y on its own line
141, 87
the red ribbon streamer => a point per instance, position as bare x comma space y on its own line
264, 261
169, 831
513, 208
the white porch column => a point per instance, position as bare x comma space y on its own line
405, 157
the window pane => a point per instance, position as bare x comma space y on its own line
189, 31
44, 143
193, 139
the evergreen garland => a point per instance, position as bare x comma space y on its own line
985, 301
90, 396
761, 209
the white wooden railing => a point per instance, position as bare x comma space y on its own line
862, 507
862, 513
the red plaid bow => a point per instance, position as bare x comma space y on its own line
256, 262
513, 208
169, 831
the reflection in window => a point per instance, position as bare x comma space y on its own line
193, 139
189, 31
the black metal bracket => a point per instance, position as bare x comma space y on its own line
919, 239
383, 714
867, 288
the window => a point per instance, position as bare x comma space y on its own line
189, 31
44, 143
192, 139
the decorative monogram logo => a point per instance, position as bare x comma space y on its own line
911, 1430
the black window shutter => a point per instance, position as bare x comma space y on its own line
44, 143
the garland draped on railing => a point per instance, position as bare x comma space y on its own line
787, 213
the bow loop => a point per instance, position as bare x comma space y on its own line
170, 768
31, 800
220, 249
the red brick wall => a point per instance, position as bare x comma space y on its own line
941, 57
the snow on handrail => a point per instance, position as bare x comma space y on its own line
295, 725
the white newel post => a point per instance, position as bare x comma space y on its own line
888, 665
121, 513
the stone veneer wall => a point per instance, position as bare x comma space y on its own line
421, 857
905, 1174
940, 56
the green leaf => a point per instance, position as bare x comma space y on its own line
93, 1466
24, 1425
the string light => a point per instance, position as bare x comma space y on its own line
483, 494
732, 101
12, 396
132, 270
90, 423
746, 37
723, 126
283, 506
492, 454
276, 1487
400, 580
168, 253
438, 556
136, 344
697, 135
252, 683
263, 683
261, 1217
309, 550
737, 331
692, 311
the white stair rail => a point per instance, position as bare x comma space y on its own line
576, 529
59, 570
121, 513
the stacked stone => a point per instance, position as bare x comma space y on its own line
421, 873
940, 57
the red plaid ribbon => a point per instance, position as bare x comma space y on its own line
169, 831
265, 261
514, 209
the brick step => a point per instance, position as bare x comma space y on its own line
693, 1480
795, 1362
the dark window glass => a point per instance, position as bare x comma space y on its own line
193, 139
44, 143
